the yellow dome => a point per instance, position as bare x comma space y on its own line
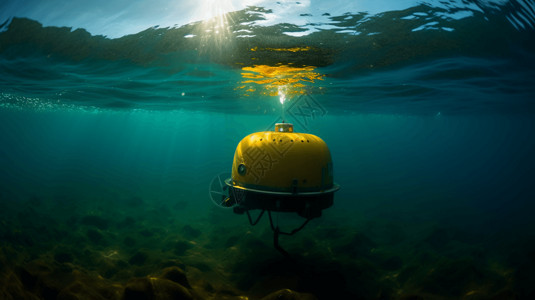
288, 162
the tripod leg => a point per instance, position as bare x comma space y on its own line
257, 219
276, 233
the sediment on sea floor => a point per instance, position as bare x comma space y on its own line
131, 248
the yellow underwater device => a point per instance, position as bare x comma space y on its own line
281, 171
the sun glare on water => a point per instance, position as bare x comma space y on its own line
208, 9
215, 18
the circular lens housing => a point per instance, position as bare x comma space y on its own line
242, 169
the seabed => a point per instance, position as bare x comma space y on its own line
128, 247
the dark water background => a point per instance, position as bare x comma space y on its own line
108, 147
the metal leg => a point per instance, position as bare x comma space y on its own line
277, 232
257, 219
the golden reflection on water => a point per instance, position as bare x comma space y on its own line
294, 49
272, 79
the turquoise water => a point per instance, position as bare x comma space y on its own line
114, 122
